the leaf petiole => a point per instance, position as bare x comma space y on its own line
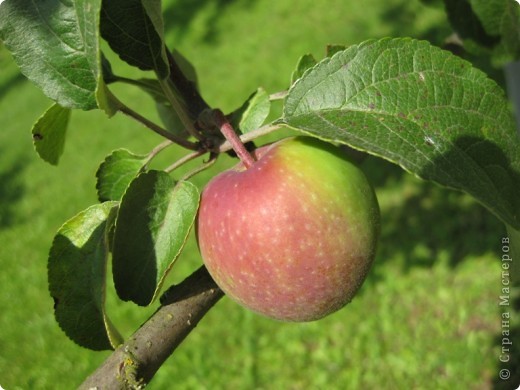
157, 129
205, 165
278, 95
155, 151
184, 160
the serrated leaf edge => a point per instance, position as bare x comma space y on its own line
113, 335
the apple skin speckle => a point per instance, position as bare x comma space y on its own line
294, 236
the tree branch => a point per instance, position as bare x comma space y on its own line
133, 364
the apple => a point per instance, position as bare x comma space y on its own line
293, 236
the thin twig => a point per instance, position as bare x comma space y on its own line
184, 160
224, 147
159, 148
212, 160
158, 129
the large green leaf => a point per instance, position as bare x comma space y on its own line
153, 223
419, 107
49, 133
116, 172
56, 45
134, 30
77, 269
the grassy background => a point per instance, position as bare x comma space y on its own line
428, 315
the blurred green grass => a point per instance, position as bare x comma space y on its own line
428, 315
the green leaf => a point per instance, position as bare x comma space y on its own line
489, 13
305, 62
333, 49
467, 24
56, 45
153, 223
116, 172
168, 116
151, 87
49, 133
77, 269
420, 107
501, 18
493, 24
186, 67
134, 30
253, 112
171, 120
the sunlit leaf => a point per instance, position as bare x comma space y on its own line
305, 62
253, 112
116, 172
420, 107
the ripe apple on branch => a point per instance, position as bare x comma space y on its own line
290, 232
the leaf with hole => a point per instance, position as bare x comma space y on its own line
420, 107
49, 133
154, 220
76, 272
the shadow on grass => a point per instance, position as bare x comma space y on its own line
11, 82
429, 223
180, 13
11, 192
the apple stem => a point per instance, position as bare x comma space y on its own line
236, 143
